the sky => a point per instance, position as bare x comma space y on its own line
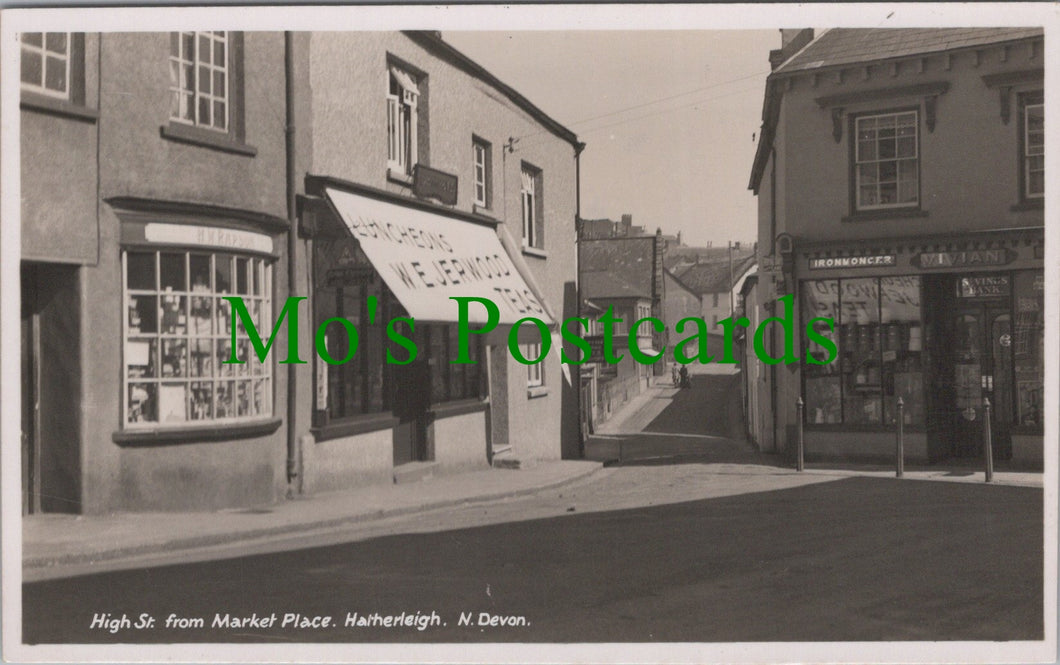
669, 118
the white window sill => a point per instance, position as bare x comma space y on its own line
535, 252
398, 177
534, 392
482, 211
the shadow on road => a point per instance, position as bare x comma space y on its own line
701, 424
856, 559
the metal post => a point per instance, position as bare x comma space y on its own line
900, 453
799, 447
988, 442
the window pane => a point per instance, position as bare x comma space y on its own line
174, 319
223, 273
907, 147
32, 65
172, 272
200, 273
201, 401
204, 111
219, 83
174, 44
886, 148
140, 270
143, 314
219, 53
140, 358
866, 150
55, 74
219, 115
888, 171
204, 48
56, 42
226, 405
143, 403
201, 359
189, 45
174, 358
867, 174
867, 196
187, 77
32, 38
241, 277
888, 193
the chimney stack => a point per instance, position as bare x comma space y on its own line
791, 41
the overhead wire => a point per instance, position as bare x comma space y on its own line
657, 101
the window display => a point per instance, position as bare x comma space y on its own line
177, 335
879, 338
1028, 347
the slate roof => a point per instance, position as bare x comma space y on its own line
617, 267
713, 277
847, 46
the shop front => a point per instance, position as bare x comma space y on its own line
389, 267
948, 333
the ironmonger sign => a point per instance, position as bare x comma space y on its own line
870, 261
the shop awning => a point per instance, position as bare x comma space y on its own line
426, 258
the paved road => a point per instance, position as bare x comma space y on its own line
715, 546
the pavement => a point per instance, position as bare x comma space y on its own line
58, 544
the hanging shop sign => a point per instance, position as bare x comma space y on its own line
432, 183
869, 261
992, 286
964, 258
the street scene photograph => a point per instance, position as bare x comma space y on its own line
504, 334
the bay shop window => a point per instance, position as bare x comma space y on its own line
878, 334
177, 334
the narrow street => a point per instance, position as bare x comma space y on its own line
692, 538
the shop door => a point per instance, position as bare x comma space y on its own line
412, 392
982, 369
30, 393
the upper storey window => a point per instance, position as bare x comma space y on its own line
886, 156
401, 113
46, 63
1033, 136
199, 79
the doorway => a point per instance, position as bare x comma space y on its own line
50, 388
411, 401
981, 358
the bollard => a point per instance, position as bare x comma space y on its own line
988, 443
899, 452
798, 450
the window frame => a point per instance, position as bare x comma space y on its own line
408, 101
481, 147
535, 372
1028, 101
42, 50
854, 170
249, 373
181, 59
233, 139
530, 198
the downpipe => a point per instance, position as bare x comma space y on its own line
294, 448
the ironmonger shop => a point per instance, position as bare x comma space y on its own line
947, 325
